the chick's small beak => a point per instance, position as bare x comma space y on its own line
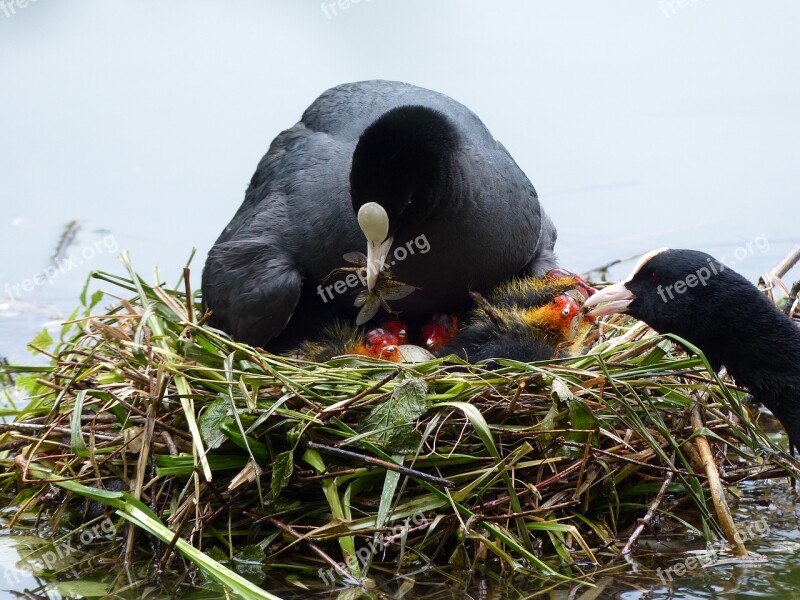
614, 299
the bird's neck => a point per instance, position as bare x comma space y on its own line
404, 162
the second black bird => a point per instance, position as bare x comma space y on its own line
694, 296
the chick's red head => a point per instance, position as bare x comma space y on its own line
439, 331
397, 328
380, 343
561, 316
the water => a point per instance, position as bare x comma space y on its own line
641, 123
770, 509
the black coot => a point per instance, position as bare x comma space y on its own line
463, 215
694, 296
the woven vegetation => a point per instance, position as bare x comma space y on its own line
221, 463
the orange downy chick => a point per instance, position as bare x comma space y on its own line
379, 343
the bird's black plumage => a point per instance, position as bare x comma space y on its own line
481, 339
527, 320
465, 214
694, 296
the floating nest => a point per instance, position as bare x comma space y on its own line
221, 464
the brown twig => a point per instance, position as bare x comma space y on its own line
33, 427
715, 485
787, 262
651, 510
188, 289
333, 409
314, 548
381, 463
793, 293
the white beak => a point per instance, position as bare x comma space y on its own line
615, 299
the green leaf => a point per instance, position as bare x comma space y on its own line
31, 386
95, 300
387, 495
249, 562
79, 589
548, 423
184, 464
42, 341
211, 422
259, 451
391, 424
346, 542
139, 514
582, 418
110, 377
282, 470
77, 444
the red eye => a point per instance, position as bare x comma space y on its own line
654, 278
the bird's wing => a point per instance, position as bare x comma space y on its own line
251, 289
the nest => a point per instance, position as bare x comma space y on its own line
217, 461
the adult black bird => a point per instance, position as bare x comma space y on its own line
463, 214
692, 295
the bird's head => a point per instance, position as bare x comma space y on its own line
380, 343
558, 319
397, 328
400, 162
673, 291
439, 331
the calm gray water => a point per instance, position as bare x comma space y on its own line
642, 123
